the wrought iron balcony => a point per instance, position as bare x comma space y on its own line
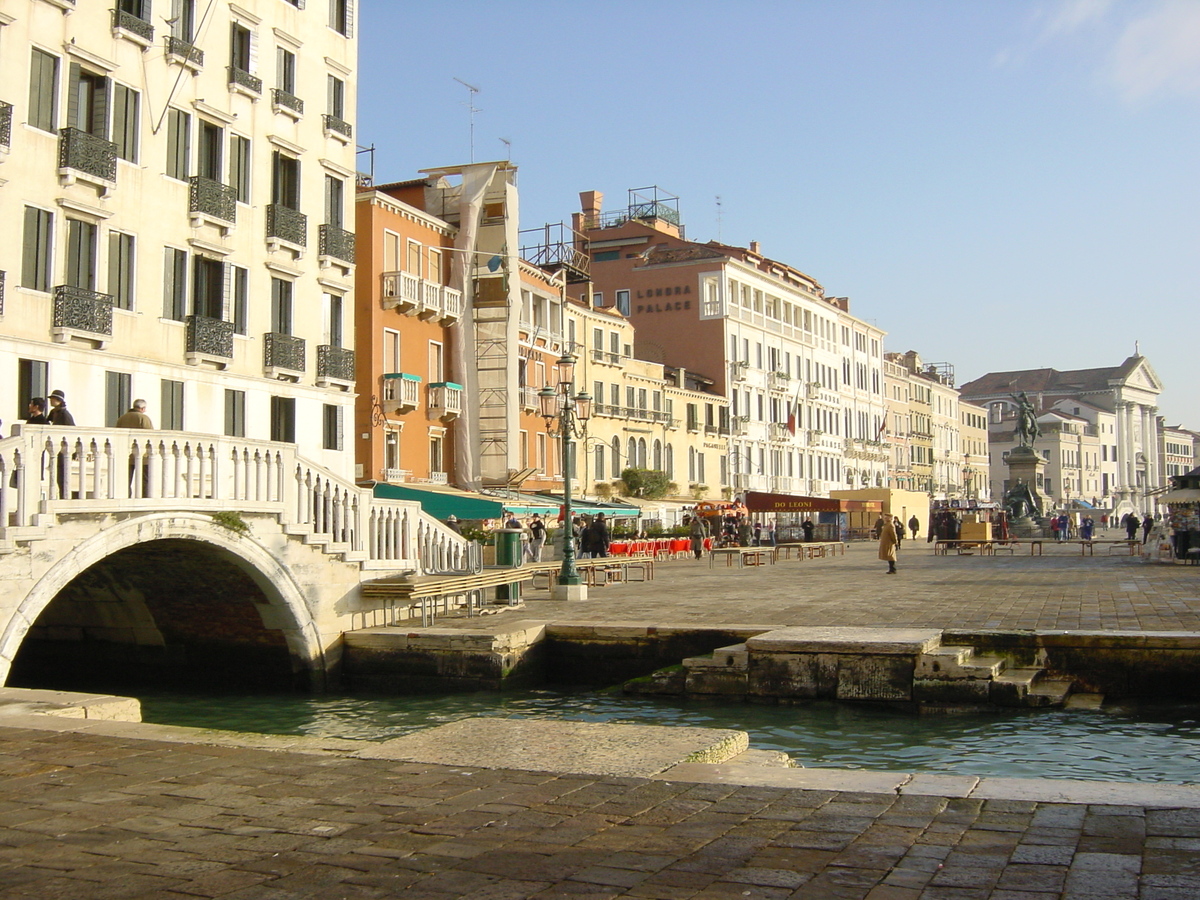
287, 224
211, 337
287, 100
335, 362
283, 351
242, 78
5, 124
336, 242
211, 198
82, 310
87, 153
127, 21
338, 125
184, 50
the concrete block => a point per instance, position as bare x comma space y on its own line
961, 690
873, 641
875, 678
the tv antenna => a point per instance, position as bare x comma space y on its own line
719, 241
507, 148
471, 110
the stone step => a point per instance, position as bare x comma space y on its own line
957, 662
763, 759
1049, 692
734, 656
1029, 687
1085, 701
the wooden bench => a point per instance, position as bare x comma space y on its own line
428, 591
746, 556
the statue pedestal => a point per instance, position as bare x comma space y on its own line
1025, 465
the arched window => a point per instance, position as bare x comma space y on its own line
658, 457
616, 457
598, 462
692, 464
642, 452
669, 462
631, 458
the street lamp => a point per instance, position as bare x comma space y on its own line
566, 414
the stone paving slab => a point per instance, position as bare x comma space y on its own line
544, 745
104, 816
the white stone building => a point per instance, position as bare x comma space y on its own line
175, 182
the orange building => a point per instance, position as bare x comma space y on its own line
402, 323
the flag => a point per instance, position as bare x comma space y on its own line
882, 426
793, 411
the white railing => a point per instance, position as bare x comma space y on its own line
400, 392
47, 470
432, 298
452, 303
445, 399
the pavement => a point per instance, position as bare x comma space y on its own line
101, 809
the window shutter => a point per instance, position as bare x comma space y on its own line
253, 52
73, 96
349, 32
99, 123
226, 291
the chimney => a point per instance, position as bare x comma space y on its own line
754, 248
591, 202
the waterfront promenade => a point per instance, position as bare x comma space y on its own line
113, 810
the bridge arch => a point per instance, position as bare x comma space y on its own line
283, 594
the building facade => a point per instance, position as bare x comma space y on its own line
802, 377
177, 197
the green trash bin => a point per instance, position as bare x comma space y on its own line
509, 553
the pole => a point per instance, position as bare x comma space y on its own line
569, 575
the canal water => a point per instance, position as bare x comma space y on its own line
1120, 743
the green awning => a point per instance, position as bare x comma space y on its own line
441, 502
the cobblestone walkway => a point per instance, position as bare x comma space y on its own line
1061, 590
89, 817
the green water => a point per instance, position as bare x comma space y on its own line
1128, 743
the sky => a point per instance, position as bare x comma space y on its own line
998, 184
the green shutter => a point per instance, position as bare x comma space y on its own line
73, 97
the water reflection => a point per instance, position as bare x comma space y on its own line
1127, 743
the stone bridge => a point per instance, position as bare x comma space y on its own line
146, 552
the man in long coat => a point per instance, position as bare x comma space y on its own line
888, 544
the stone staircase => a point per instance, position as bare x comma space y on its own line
906, 666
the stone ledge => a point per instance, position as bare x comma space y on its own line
871, 641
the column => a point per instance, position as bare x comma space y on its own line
1152, 460
1128, 462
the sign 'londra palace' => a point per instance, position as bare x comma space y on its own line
668, 305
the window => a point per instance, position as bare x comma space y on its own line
33, 380
281, 307
43, 91
241, 298
283, 419
435, 266
285, 70
240, 45
335, 193
179, 126
235, 413
436, 369
87, 102
391, 251
239, 167
331, 427
436, 456
125, 122
81, 255
623, 306
171, 410
598, 460
597, 299
36, 258
208, 287
183, 21
341, 16
414, 258
616, 458
334, 315
175, 284
120, 269
118, 394
285, 180
336, 98
211, 142
391, 351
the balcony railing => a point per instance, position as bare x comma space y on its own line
287, 224
283, 351
401, 391
604, 356
87, 153
779, 381
338, 125
208, 336
184, 50
529, 398
5, 124
82, 310
737, 370
445, 399
211, 198
127, 21
287, 100
778, 431
431, 302
451, 304
244, 79
336, 242
335, 362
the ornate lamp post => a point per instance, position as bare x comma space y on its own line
566, 414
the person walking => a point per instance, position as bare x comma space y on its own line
914, 525
600, 538
59, 414
899, 526
136, 417
807, 527
698, 531
37, 412
888, 543
537, 538
452, 524
1132, 525
1147, 526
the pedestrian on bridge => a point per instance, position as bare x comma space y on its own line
136, 417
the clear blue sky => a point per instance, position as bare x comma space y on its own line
999, 184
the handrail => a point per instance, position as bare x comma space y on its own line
46, 469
